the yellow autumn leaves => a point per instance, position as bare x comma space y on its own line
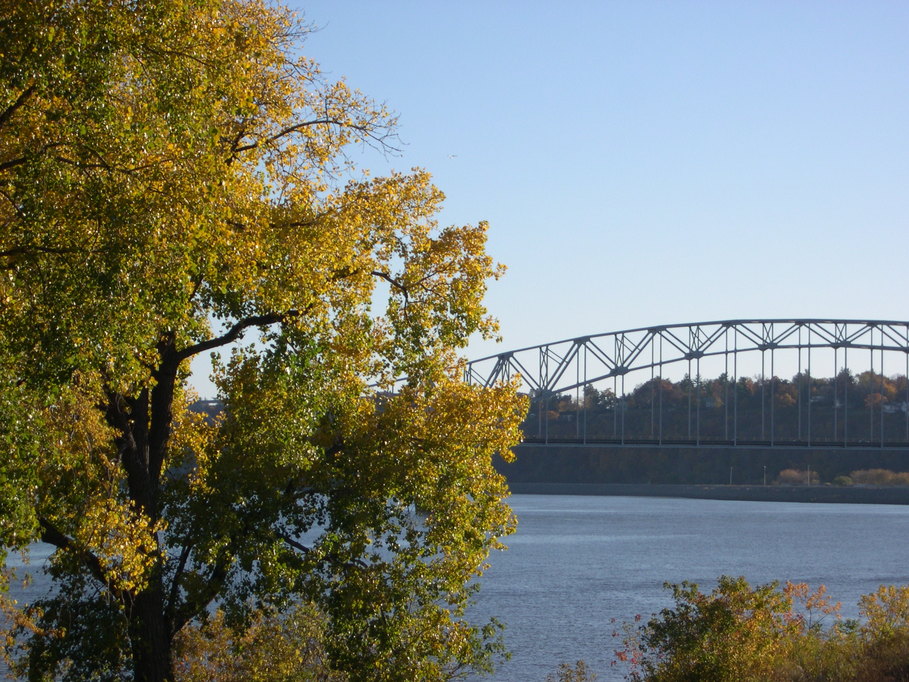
174, 176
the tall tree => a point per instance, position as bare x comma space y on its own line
173, 181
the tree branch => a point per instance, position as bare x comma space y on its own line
22, 250
175, 583
132, 442
235, 332
391, 280
293, 543
192, 608
294, 128
20, 100
397, 285
52, 535
13, 163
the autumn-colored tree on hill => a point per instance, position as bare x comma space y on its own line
173, 181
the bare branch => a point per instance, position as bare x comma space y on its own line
364, 130
397, 285
13, 163
236, 332
293, 543
391, 280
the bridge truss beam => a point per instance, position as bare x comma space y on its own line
572, 364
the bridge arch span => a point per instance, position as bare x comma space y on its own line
721, 408
548, 367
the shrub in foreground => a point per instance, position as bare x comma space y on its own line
739, 632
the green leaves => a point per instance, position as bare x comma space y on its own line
768, 632
173, 181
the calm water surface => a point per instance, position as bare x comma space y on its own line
576, 562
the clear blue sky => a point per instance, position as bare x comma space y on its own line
652, 162
646, 163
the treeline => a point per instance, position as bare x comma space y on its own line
857, 408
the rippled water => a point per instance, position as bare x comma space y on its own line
576, 562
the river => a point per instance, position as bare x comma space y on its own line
578, 561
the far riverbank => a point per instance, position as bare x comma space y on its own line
751, 493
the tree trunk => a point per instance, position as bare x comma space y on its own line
150, 637
144, 444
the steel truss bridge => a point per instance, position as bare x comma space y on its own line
848, 386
